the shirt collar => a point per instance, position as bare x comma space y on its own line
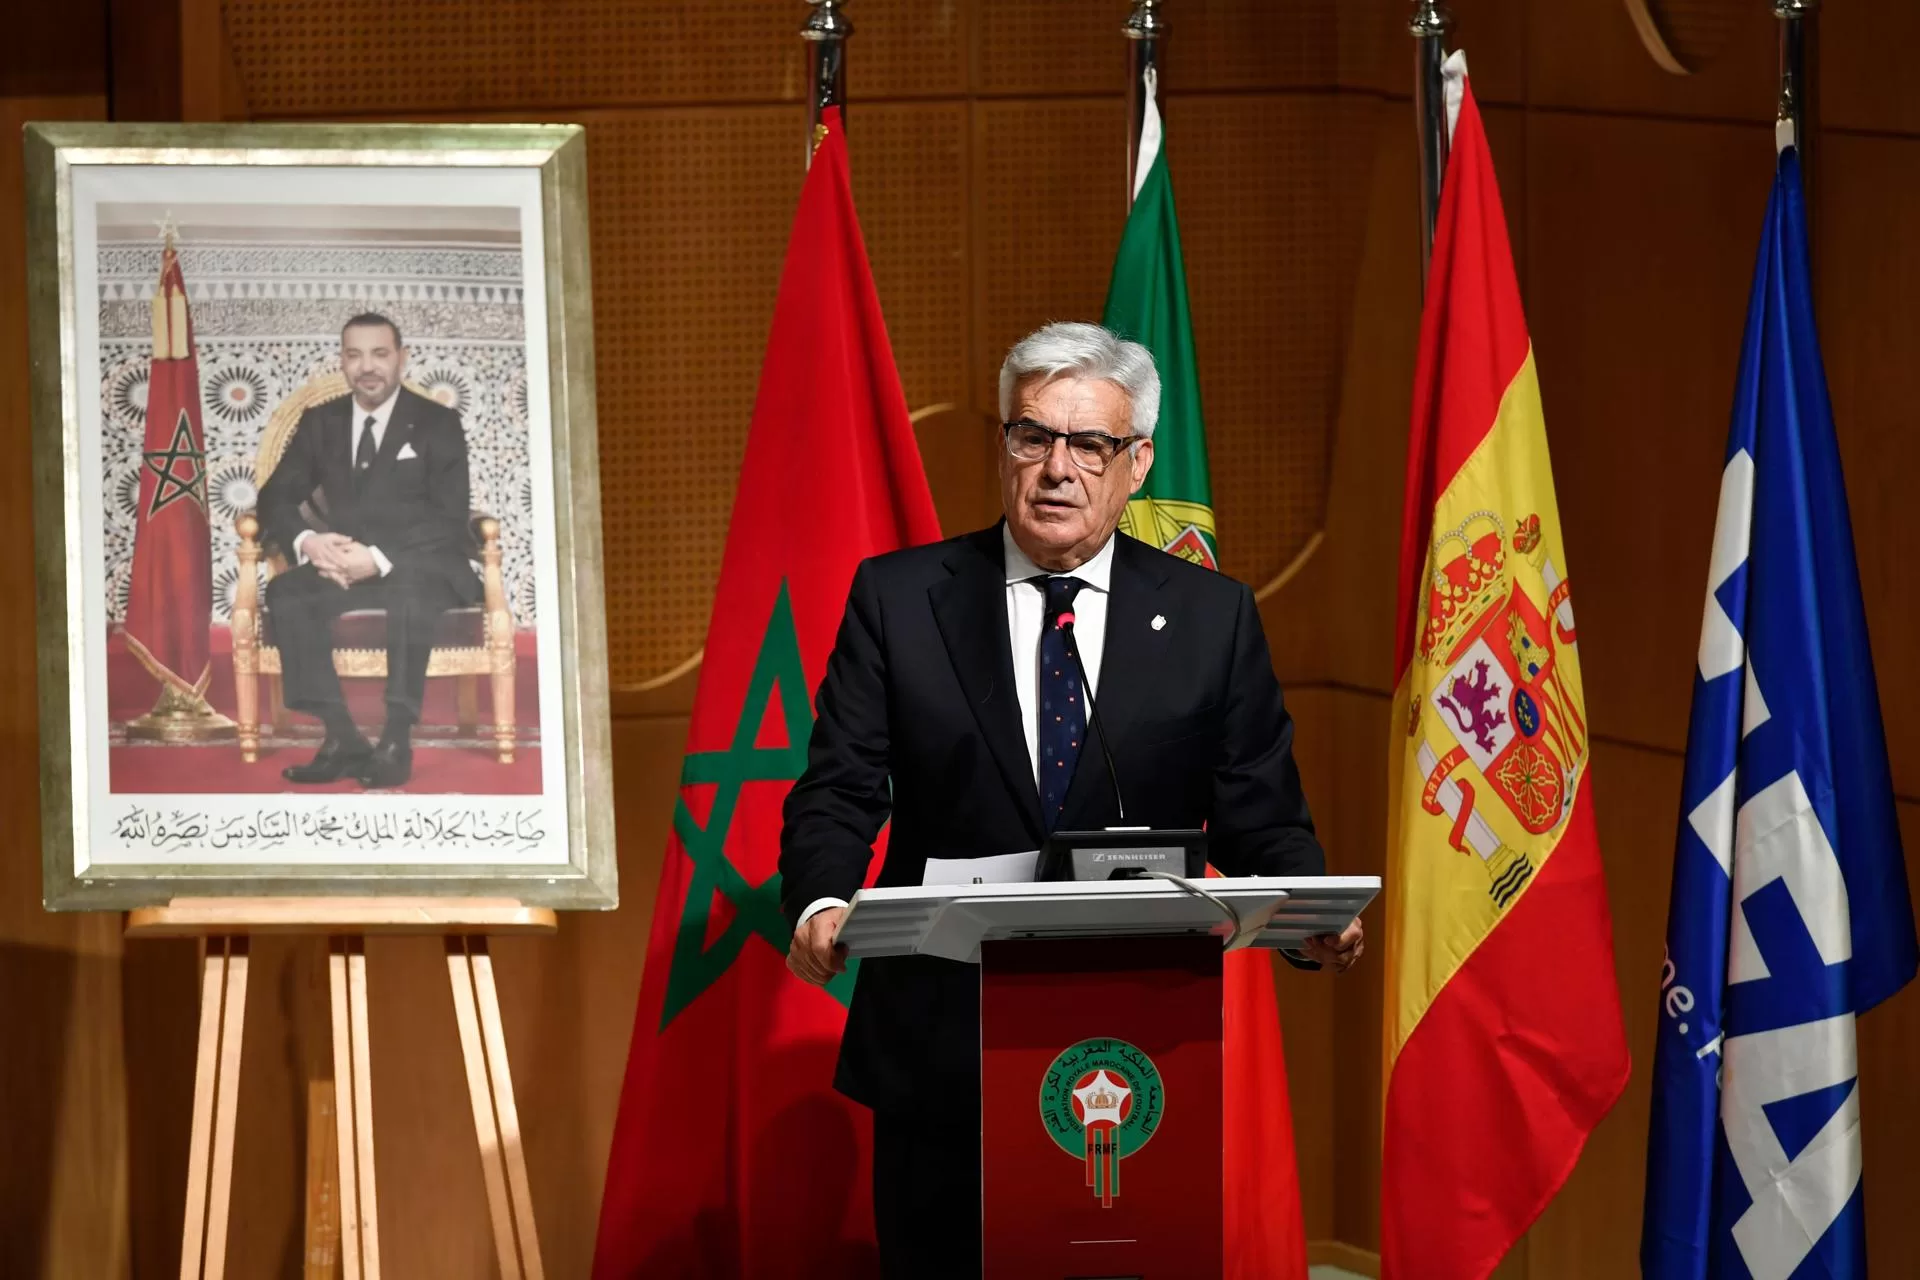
379, 415
1096, 573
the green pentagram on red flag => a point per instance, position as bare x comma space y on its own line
171, 486
698, 962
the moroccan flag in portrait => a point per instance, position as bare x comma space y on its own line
170, 599
732, 1155
1147, 301
1503, 1040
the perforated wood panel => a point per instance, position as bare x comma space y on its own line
340, 57
1229, 44
1074, 46
1254, 183
1050, 186
983, 219
690, 217
1610, 253
910, 186
1063, 46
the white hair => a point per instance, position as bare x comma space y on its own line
1068, 348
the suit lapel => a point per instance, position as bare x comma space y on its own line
970, 609
1130, 651
399, 430
336, 456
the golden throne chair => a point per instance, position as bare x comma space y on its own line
469, 642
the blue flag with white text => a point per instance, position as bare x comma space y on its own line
1790, 914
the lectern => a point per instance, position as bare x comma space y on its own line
1100, 1052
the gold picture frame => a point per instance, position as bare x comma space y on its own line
287, 842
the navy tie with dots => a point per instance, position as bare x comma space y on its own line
1063, 704
363, 455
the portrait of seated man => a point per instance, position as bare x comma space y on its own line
385, 471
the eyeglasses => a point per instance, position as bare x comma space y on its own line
1091, 451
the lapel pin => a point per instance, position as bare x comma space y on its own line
1158, 622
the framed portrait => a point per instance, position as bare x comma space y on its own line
317, 514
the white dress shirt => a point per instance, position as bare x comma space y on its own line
1026, 615
364, 420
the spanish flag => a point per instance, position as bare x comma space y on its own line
1503, 1040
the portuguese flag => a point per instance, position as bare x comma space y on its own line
1147, 301
732, 1156
1503, 1041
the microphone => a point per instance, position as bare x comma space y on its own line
1063, 622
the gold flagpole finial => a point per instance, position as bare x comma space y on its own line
169, 231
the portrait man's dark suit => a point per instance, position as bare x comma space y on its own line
919, 725
412, 503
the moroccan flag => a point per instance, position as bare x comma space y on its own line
170, 599
1503, 1040
732, 1156
1147, 301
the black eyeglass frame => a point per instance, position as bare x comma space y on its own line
1117, 443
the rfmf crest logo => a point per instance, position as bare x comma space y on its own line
1101, 1100
1500, 734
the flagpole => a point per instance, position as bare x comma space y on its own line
1431, 24
1145, 29
1798, 48
825, 31
181, 714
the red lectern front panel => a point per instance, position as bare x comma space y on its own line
1101, 1131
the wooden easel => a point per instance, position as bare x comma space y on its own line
224, 927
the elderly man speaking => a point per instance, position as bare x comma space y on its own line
946, 709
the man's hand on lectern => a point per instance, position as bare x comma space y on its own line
813, 957
1335, 951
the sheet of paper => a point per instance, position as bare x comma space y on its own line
1004, 868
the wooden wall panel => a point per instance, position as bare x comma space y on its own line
1636, 305
1050, 49
363, 57
910, 186
1041, 171
1866, 56
1254, 181
1889, 1041
1356, 845
63, 1073
1376, 52
690, 215
1868, 284
988, 139
1309, 1002
1358, 563
1591, 1231
568, 1003
1232, 45
1368, 462
1586, 55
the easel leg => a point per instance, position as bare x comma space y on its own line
496, 1121
216, 1097
353, 1105
320, 1256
